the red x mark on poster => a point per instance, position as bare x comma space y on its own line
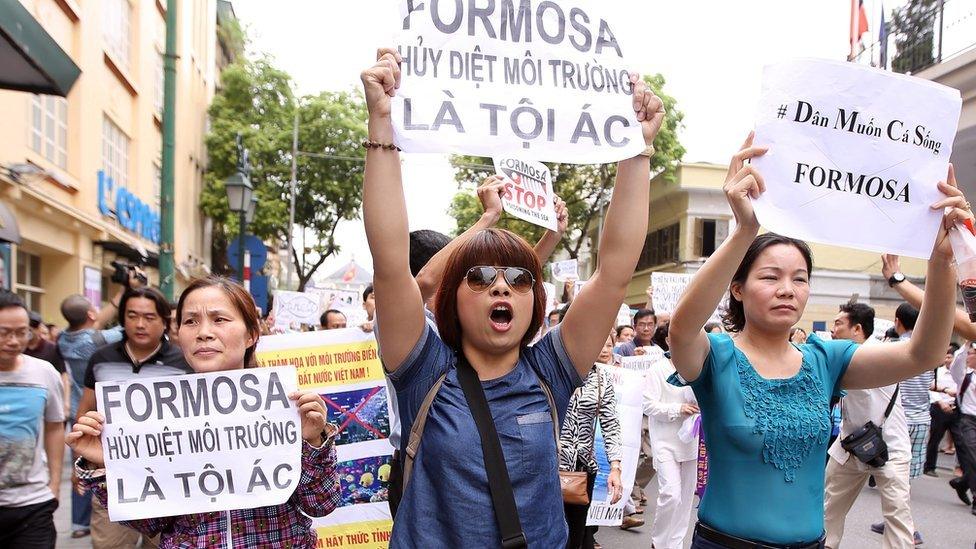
351, 415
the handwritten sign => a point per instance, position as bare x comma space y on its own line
528, 191
174, 445
296, 307
564, 271
668, 288
504, 78
855, 155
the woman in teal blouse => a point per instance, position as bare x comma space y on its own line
765, 402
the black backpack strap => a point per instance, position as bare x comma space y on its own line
499, 484
891, 403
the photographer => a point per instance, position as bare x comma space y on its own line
77, 344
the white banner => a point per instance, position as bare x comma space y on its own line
881, 325
529, 78
343, 366
174, 445
296, 308
563, 271
643, 363
628, 389
855, 155
668, 288
624, 316
528, 191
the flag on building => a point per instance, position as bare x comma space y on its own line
883, 39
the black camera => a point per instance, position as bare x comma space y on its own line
121, 274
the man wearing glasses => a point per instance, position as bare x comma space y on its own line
31, 435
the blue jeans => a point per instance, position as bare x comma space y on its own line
698, 542
80, 511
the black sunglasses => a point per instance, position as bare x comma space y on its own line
482, 277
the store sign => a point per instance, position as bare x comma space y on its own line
133, 214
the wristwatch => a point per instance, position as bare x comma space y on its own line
896, 278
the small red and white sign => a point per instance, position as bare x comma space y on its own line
528, 191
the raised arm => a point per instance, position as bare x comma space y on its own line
398, 301
911, 293
689, 344
585, 328
489, 194
547, 244
880, 365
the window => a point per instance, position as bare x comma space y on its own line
115, 153
709, 235
660, 247
28, 285
116, 28
49, 128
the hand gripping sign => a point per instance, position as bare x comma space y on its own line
201, 442
528, 191
855, 155
542, 78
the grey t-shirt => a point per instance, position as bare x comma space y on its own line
29, 396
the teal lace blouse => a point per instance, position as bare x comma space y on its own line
767, 440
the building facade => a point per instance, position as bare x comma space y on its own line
84, 172
690, 218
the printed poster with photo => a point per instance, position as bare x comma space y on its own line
343, 366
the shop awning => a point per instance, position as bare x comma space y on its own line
149, 259
30, 60
9, 231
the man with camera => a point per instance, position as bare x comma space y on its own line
77, 344
873, 441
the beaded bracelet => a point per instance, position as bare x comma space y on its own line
367, 144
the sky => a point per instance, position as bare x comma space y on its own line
711, 52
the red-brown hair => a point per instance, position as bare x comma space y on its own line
241, 300
496, 247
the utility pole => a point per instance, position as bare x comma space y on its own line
166, 260
294, 183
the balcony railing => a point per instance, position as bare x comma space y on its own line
940, 30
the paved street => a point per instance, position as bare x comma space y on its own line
945, 523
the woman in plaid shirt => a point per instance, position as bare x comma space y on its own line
218, 330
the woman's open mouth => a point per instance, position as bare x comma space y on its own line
501, 317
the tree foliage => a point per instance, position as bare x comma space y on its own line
586, 188
914, 30
256, 99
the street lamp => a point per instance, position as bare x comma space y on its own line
251, 209
239, 195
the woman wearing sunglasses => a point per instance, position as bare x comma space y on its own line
765, 401
489, 306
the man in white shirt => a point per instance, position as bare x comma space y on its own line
846, 475
964, 428
942, 396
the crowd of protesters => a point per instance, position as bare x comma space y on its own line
502, 397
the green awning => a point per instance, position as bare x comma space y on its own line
30, 60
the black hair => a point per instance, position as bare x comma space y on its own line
9, 300
953, 348
643, 313
891, 333
859, 313
907, 315
367, 291
660, 337
34, 319
734, 318
562, 312
424, 244
163, 308
324, 319
621, 328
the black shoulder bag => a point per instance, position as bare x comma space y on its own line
867, 443
499, 484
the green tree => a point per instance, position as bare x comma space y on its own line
914, 30
586, 188
257, 101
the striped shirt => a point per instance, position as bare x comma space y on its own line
579, 428
915, 394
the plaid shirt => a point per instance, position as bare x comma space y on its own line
283, 525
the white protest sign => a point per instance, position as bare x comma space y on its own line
528, 191
855, 155
668, 288
578, 287
296, 307
550, 296
881, 325
628, 391
176, 445
563, 271
624, 317
643, 363
529, 77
